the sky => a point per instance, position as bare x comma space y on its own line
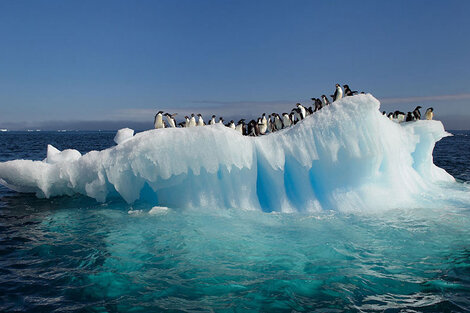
111, 64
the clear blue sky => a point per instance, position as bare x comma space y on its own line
119, 61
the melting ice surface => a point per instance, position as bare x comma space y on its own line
344, 157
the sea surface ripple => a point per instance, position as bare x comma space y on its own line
72, 254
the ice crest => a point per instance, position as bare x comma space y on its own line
123, 135
347, 156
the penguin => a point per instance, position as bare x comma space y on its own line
409, 117
212, 121
325, 100
292, 118
338, 93
186, 121
399, 116
264, 120
309, 110
416, 113
316, 104
277, 121
303, 113
240, 127
221, 120
429, 114
348, 91
158, 121
231, 125
262, 127
296, 115
253, 129
390, 116
269, 124
286, 120
200, 120
384, 113
192, 121
170, 120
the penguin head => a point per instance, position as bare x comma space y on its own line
346, 86
213, 116
338, 85
160, 112
418, 107
199, 114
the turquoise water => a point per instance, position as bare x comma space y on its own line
71, 254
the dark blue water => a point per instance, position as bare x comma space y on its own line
71, 254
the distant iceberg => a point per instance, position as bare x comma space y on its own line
347, 156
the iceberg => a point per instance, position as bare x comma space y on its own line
347, 156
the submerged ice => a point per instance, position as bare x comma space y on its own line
346, 156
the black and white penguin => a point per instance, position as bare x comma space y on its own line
409, 117
293, 119
325, 100
296, 115
303, 112
212, 121
338, 93
231, 125
158, 121
309, 110
399, 116
200, 120
240, 127
348, 91
264, 120
317, 104
253, 129
192, 121
429, 114
277, 121
416, 113
269, 124
221, 120
170, 119
186, 121
262, 127
286, 120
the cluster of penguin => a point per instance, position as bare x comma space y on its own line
262, 125
399, 116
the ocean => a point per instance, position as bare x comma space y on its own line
72, 254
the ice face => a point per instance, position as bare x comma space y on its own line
346, 156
